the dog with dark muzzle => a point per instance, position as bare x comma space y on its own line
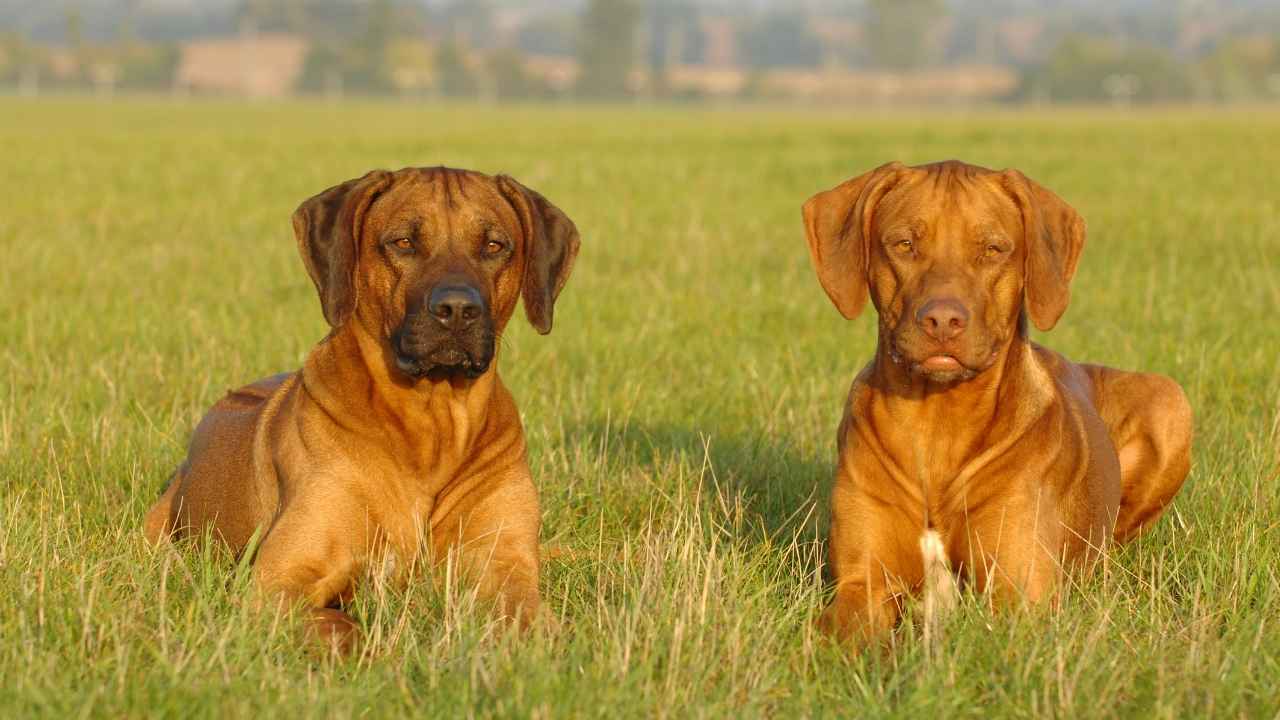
968, 453
397, 441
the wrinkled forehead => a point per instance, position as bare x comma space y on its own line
936, 200
440, 202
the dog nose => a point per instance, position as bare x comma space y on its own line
455, 306
943, 318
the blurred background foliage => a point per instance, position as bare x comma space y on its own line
851, 51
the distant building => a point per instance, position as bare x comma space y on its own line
960, 83
256, 65
558, 72
63, 64
835, 34
507, 23
721, 42
1022, 37
964, 83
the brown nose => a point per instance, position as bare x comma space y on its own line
943, 318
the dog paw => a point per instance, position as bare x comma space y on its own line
332, 630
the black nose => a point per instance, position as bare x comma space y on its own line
943, 318
455, 306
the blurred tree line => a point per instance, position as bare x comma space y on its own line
1084, 68
1119, 52
83, 63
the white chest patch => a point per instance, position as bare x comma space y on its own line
940, 592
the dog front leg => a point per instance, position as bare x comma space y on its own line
494, 539
874, 563
1014, 555
305, 564
861, 612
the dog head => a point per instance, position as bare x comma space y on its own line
951, 255
433, 260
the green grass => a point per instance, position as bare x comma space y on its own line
681, 417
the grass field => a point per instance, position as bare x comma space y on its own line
681, 417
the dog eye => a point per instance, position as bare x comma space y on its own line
493, 247
402, 244
905, 245
993, 251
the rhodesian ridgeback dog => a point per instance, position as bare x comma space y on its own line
967, 452
397, 436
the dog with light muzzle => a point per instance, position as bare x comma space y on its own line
968, 453
397, 440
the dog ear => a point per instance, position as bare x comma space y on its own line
551, 246
837, 224
327, 227
1054, 235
